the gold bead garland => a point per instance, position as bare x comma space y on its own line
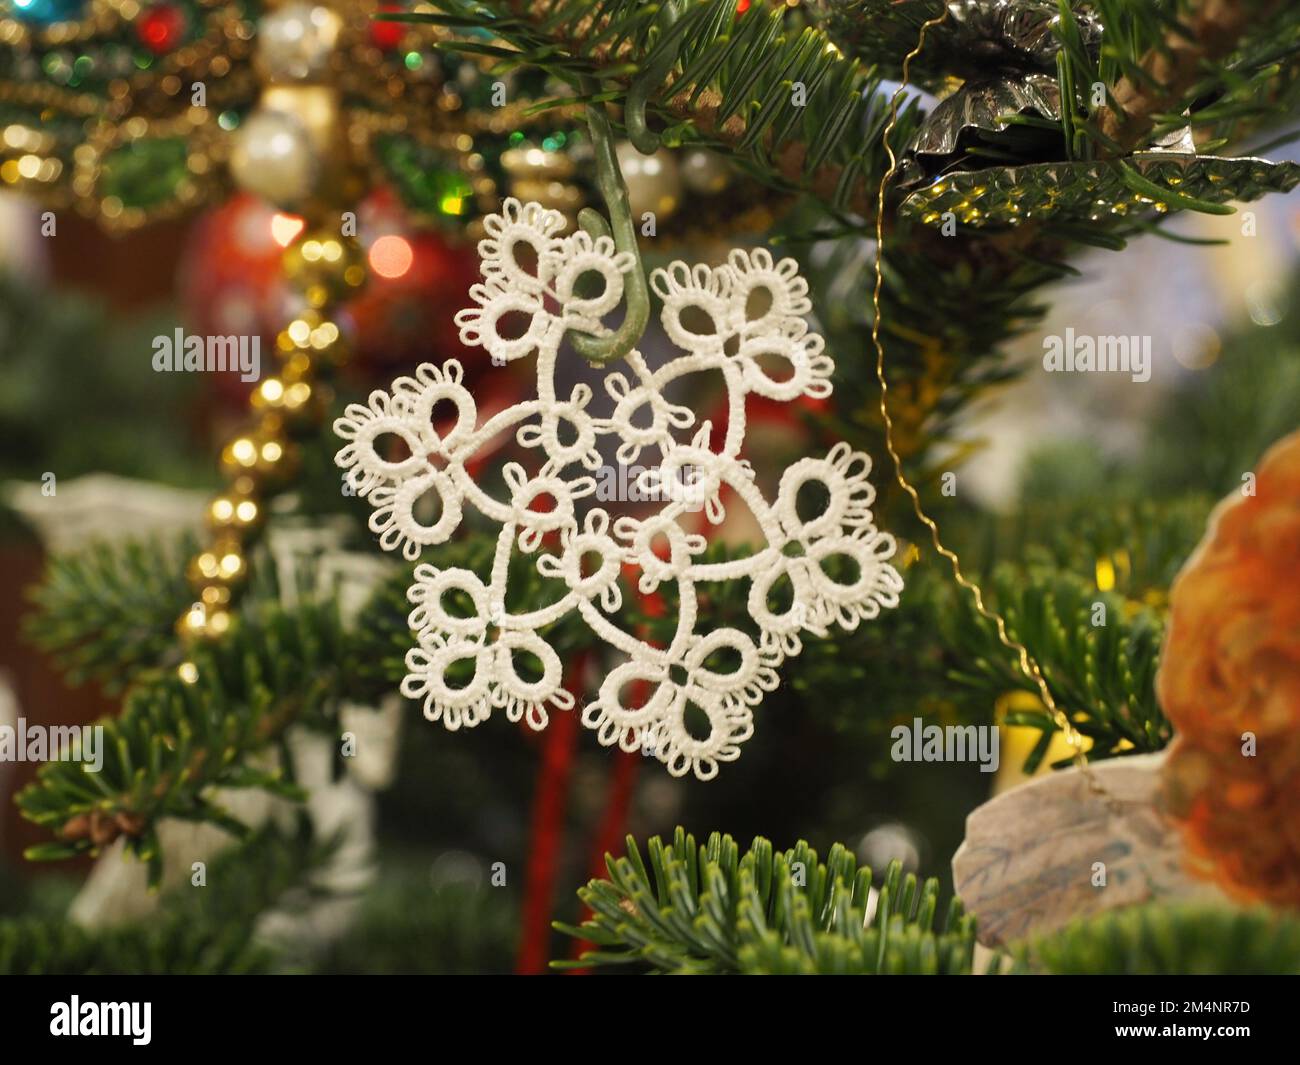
325, 270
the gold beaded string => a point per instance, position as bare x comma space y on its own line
324, 269
1028, 666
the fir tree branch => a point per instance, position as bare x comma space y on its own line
1164, 76
181, 734
206, 931
107, 613
731, 81
710, 909
1184, 939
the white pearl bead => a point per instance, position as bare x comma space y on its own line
272, 156
653, 183
294, 43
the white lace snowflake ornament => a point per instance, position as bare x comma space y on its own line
690, 476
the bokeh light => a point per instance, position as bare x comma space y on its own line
391, 256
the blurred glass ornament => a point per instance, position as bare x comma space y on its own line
273, 156
889, 842
295, 42
48, 12
161, 28
230, 282
705, 172
230, 263
653, 182
544, 175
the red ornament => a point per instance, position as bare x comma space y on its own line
161, 28
387, 35
418, 281
229, 283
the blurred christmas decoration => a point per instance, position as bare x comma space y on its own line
1035, 857
323, 270
1230, 682
1004, 52
1096, 191
1001, 148
231, 280
104, 507
131, 112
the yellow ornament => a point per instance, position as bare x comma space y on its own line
310, 336
264, 455
324, 267
234, 510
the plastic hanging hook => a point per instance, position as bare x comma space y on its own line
647, 81
636, 294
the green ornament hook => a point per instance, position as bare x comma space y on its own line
638, 94
636, 294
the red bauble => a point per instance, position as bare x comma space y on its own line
230, 270
161, 28
417, 283
231, 284
387, 35
409, 318
230, 280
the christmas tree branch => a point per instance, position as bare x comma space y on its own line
189, 728
107, 613
184, 732
1183, 939
1097, 653
195, 931
711, 909
777, 94
1167, 72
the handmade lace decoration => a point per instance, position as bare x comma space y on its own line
835, 562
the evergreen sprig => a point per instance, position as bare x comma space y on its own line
207, 930
730, 80
711, 909
1100, 667
110, 611
1179, 939
181, 734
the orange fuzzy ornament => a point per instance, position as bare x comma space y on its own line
1231, 666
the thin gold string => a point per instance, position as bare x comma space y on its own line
1028, 666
